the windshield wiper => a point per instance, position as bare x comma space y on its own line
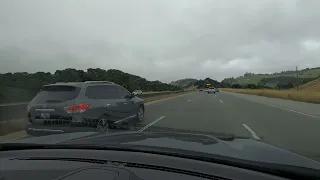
288, 171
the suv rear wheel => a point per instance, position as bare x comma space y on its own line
140, 114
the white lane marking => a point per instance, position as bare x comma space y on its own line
288, 110
189, 100
282, 108
152, 123
215, 95
124, 119
221, 101
254, 135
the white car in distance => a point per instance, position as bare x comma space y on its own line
211, 90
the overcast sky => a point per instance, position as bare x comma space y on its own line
160, 39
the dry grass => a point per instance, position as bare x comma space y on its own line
311, 86
304, 95
150, 99
7, 127
155, 92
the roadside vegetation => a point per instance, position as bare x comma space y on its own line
303, 95
273, 79
165, 96
279, 85
7, 127
23, 86
184, 83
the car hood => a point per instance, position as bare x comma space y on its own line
220, 144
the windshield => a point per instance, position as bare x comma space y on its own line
56, 94
236, 78
102, 92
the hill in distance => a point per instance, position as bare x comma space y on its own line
184, 83
305, 75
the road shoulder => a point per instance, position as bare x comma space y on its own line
289, 105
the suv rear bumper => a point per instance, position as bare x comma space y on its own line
35, 130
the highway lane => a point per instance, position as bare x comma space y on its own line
290, 130
231, 114
196, 111
241, 115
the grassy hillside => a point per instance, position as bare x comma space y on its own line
308, 92
311, 86
250, 78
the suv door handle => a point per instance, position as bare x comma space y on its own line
125, 103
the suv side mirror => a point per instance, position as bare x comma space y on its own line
129, 96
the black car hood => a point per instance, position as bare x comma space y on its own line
221, 144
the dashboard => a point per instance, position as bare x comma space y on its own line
77, 164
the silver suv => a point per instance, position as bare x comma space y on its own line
82, 106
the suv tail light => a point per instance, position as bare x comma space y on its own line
77, 108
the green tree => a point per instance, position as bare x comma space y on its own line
22, 86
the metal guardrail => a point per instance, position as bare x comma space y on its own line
16, 111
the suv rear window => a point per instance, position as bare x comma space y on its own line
56, 94
102, 92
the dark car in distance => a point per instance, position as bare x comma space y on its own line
82, 106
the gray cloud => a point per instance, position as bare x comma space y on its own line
165, 40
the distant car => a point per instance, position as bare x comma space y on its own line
211, 90
200, 90
217, 90
137, 92
82, 106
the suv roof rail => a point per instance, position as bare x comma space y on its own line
65, 82
97, 82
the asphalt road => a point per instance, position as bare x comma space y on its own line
291, 125
274, 121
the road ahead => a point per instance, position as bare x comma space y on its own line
294, 126
291, 125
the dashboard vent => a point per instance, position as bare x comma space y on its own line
126, 164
